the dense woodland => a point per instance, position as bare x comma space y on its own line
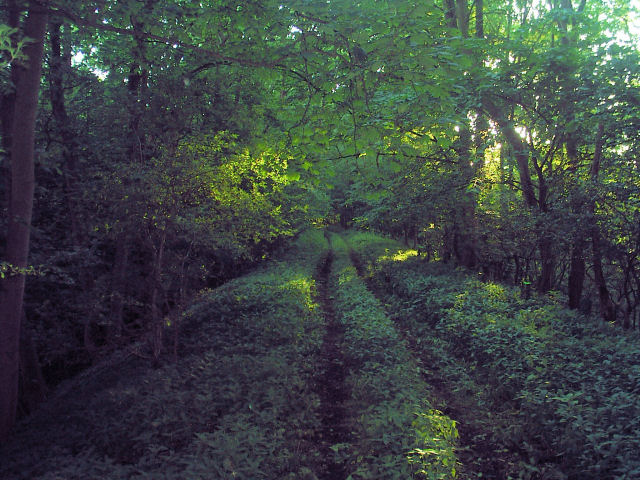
155, 149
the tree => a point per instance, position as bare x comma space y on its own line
20, 212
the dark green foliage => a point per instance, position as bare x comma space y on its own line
237, 403
397, 433
564, 387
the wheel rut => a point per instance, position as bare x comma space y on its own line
330, 381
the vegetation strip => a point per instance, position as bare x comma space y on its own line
561, 388
397, 434
330, 381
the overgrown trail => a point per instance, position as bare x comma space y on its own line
479, 456
330, 381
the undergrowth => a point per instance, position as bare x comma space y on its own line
564, 389
236, 404
397, 433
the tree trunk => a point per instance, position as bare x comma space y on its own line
577, 265
33, 388
449, 7
136, 83
20, 211
156, 290
479, 18
462, 14
545, 282
576, 274
118, 290
57, 63
607, 306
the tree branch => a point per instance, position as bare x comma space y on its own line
99, 24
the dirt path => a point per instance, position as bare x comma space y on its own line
479, 455
330, 381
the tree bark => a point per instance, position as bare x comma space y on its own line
33, 388
136, 83
577, 265
607, 306
118, 290
576, 274
545, 246
156, 291
450, 13
479, 18
7, 107
57, 63
20, 212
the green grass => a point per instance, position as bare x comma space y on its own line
558, 389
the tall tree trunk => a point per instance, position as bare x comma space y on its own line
32, 386
577, 266
157, 325
576, 273
466, 229
57, 62
449, 7
136, 82
545, 247
20, 211
479, 18
7, 107
607, 306
462, 14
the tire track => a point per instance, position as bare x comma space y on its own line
330, 381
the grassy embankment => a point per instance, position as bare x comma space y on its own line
238, 402
241, 399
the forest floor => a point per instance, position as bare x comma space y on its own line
240, 391
479, 456
348, 358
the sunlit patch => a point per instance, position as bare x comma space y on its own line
347, 275
399, 256
437, 433
493, 290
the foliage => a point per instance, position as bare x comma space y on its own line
238, 401
182, 143
563, 385
10, 51
397, 434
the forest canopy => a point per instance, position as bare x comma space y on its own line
154, 148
